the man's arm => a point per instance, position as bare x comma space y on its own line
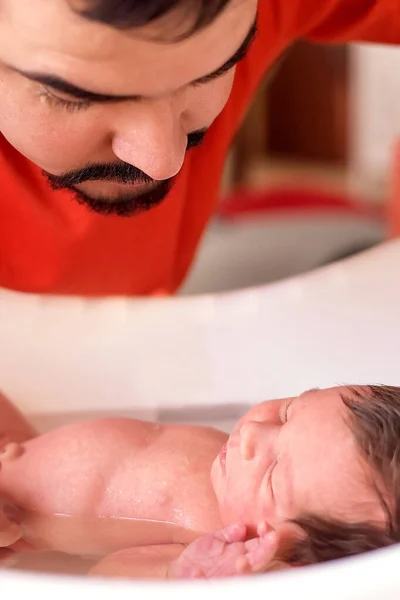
342, 21
332, 21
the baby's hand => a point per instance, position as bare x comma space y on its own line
9, 533
226, 553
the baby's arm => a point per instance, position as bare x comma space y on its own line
13, 425
225, 553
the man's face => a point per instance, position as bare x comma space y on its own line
121, 145
294, 456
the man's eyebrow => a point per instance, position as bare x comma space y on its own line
65, 87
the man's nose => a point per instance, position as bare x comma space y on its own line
152, 140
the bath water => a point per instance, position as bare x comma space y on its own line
83, 541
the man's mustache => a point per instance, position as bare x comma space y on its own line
119, 172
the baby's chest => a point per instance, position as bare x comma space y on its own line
167, 490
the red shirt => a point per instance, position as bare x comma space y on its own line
51, 244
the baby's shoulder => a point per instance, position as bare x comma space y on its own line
103, 432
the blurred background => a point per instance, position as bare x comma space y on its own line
311, 177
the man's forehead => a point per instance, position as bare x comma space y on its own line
54, 27
40, 35
59, 26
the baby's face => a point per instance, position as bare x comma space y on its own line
293, 456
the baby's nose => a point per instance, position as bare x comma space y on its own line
250, 432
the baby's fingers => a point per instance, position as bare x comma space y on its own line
9, 532
260, 552
232, 534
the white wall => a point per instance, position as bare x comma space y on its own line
375, 114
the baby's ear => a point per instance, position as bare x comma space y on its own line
11, 451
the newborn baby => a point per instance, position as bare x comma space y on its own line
299, 480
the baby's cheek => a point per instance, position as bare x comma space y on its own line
243, 506
233, 506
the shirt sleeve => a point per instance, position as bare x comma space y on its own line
341, 21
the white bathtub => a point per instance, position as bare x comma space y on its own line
206, 358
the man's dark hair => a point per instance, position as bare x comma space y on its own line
374, 417
129, 14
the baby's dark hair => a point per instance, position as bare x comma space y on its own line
129, 14
374, 413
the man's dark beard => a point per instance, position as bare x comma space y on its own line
124, 206
120, 172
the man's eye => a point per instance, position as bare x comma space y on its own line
65, 103
213, 77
